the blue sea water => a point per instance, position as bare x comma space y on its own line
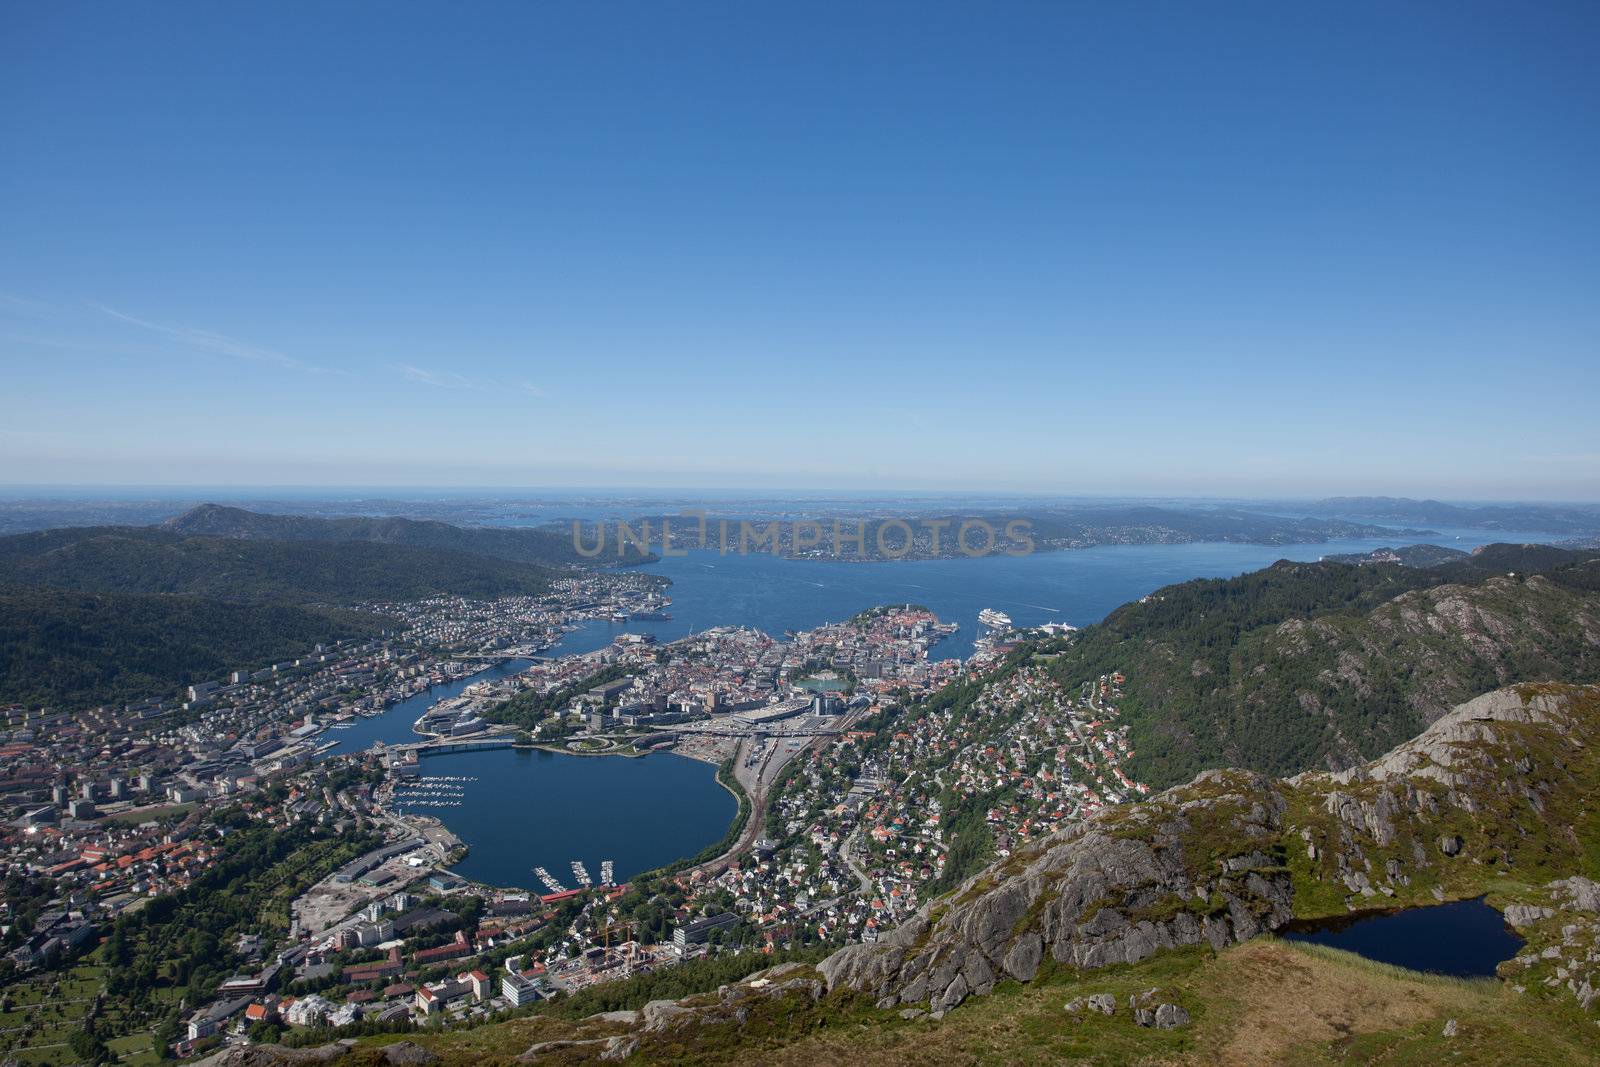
1077, 587
530, 809
393, 727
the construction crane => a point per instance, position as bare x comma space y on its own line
628, 927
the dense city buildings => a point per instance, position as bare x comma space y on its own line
826, 733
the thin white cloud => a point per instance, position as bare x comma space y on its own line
452, 380
215, 343
437, 379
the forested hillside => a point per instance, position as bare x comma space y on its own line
149, 560
1325, 664
71, 649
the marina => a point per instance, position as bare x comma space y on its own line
549, 881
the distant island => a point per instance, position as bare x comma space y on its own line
855, 537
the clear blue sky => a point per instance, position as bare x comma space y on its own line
1158, 247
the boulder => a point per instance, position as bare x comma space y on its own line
1104, 1003
1171, 1016
1520, 915
408, 1053
620, 1047
659, 1015
1579, 892
275, 1056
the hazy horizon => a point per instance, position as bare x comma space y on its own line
240, 492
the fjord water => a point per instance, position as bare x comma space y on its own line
544, 809
393, 727
1467, 938
530, 809
1078, 586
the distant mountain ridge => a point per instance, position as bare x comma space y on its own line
520, 545
1548, 518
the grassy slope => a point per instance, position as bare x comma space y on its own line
1266, 1001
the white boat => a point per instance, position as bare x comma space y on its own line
995, 620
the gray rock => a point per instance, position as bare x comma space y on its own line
1171, 1016
275, 1056
626, 1018
1144, 1017
1450, 844
1104, 1003
954, 994
659, 1015
408, 1053
1022, 962
1449, 1028
912, 1013
620, 1047
1580, 893
1520, 915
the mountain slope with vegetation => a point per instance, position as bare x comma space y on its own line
91, 615
63, 648
1325, 664
152, 560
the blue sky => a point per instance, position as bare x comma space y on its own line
1163, 247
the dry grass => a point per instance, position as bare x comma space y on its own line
1264, 1002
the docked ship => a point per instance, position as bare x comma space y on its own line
995, 620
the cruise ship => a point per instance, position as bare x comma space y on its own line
995, 620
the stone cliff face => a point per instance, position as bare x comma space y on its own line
1499, 782
1113, 891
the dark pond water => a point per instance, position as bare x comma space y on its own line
1467, 938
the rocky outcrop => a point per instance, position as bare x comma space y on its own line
1194, 865
1209, 862
276, 1056
1563, 941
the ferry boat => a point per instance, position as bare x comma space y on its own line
995, 620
